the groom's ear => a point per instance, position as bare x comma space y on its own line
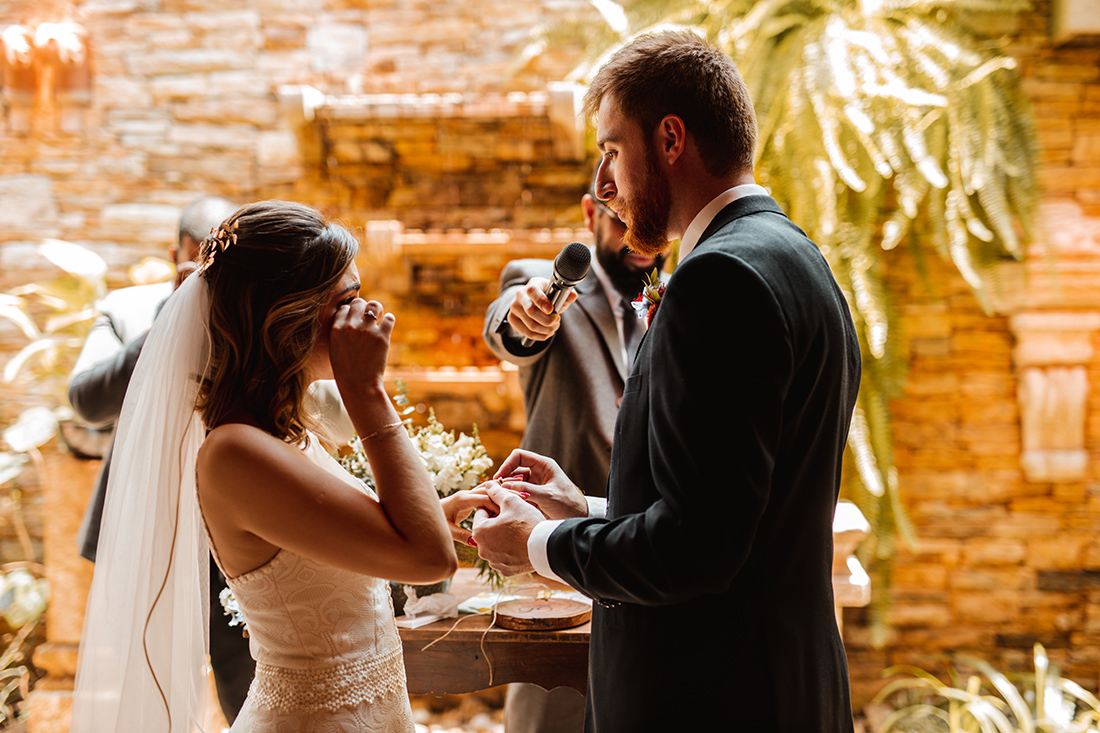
671, 138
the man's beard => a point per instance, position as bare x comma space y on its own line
627, 279
647, 212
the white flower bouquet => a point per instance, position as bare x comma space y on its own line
454, 463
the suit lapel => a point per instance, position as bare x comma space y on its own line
593, 302
744, 206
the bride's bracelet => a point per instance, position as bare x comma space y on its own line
381, 430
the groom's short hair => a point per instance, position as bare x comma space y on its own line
678, 72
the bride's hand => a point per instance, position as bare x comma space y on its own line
460, 505
359, 344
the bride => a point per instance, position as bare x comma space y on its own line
213, 454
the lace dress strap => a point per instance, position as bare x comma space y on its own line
206, 531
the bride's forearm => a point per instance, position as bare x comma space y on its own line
408, 497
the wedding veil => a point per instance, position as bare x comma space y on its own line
142, 665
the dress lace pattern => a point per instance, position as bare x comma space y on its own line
312, 690
327, 650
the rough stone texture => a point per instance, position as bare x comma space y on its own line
186, 101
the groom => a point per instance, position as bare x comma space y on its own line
711, 570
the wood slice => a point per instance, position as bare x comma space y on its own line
542, 614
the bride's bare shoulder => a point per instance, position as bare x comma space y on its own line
234, 445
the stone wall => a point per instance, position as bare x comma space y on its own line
193, 96
1007, 517
185, 100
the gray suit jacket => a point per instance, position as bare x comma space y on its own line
571, 382
102, 373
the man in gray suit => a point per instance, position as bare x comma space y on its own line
572, 378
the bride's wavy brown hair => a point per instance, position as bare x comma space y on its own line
270, 267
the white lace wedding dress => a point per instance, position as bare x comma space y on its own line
328, 657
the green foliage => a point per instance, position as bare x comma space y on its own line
24, 592
54, 315
1042, 702
880, 122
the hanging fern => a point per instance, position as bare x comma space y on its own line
879, 121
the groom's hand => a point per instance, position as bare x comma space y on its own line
544, 483
502, 538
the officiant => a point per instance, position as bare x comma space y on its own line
572, 377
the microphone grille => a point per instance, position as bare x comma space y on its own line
573, 261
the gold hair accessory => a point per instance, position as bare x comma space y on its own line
220, 239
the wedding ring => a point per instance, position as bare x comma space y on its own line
369, 313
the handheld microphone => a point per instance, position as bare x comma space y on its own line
570, 267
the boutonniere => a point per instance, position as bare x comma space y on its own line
649, 299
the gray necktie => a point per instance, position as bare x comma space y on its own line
632, 331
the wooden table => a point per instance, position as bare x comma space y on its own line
461, 661
476, 655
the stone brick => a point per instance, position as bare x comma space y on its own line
943, 385
1048, 92
986, 607
1001, 412
1059, 551
1073, 494
236, 136
1022, 525
1067, 179
1036, 505
122, 92
994, 551
1086, 149
27, 202
180, 86
987, 384
1028, 641
1068, 580
970, 577
929, 576
148, 222
921, 615
258, 112
947, 551
277, 148
219, 20
188, 61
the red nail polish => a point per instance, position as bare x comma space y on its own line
471, 542
524, 494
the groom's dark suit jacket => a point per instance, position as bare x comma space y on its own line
712, 572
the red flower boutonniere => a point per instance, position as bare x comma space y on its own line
649, 299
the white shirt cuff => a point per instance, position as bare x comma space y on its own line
597, 507
536, 548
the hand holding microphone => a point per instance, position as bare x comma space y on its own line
528, 315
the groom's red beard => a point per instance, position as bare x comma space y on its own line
647, 212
